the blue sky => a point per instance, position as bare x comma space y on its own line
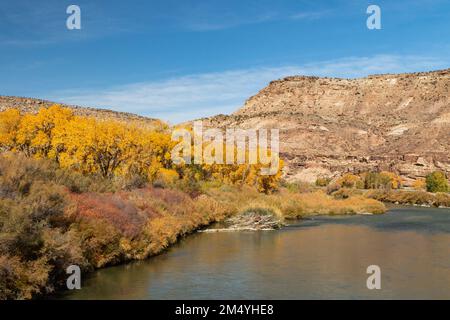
183, 59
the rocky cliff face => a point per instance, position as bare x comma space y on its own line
329, 126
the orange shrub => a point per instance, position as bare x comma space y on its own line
349, 180
419, 184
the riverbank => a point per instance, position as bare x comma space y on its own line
51, 218
256, 212
322, 257
293, 204
97, 230
415, 198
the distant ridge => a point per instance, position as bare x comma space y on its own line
32, 105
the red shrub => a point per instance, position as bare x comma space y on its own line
172, 197
110, 207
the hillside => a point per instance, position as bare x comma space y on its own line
396, 122
31, 105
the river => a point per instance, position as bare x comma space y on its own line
319, 258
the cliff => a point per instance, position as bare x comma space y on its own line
395, 122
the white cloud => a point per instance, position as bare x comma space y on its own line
311, 15
193, 96
219, 23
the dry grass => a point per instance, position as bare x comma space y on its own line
291, 205
411, 197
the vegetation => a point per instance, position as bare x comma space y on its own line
78, 190
437, 182
419, 184
411, 197
116, 150
292, 204
386, 187
322, 181
44, 227
382, 180
349, 180
367, 180
50, 219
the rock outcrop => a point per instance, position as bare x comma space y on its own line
328, 126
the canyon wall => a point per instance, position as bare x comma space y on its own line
328, 126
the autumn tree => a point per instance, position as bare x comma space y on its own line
9, 125
437, 182
36, 131
112, 148
384, 179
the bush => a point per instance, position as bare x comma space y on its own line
322, 182
79, 183
384, 180
35, 247
298, 187
333, 187
419, 184
130, 182
437, 182
344, 193
21, 280
289, 204
349, 180
407, 197
319, 203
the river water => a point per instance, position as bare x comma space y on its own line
320, 258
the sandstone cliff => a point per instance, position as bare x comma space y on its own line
329, 126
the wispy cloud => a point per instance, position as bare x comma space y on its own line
310, 15
219, 24
194, 96
30, 24
236, 21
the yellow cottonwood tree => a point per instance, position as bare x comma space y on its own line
249, 174
9, 125
93, 146
114, 148
35, 132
